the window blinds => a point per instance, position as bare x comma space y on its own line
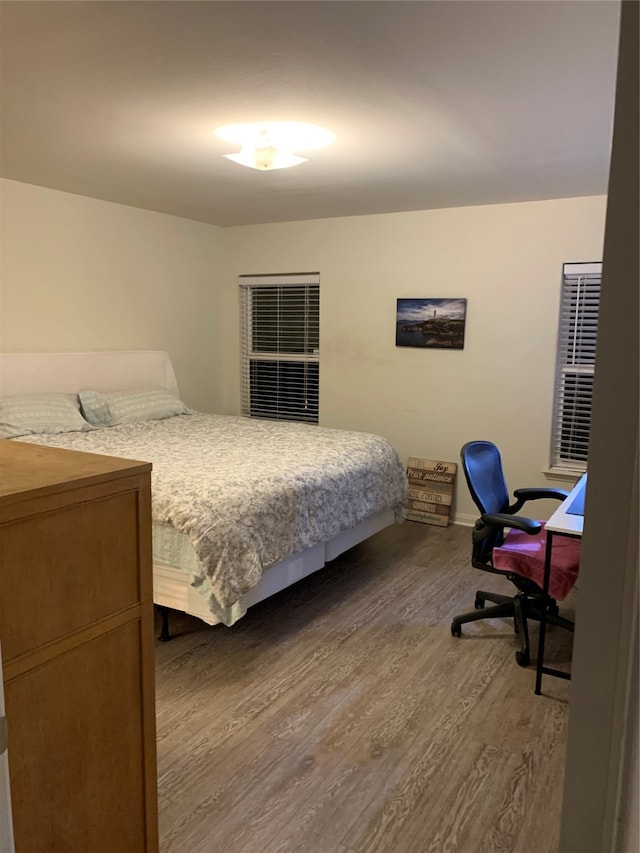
577, 334
280, 331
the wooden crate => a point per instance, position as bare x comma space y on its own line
431, 487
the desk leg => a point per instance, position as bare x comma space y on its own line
543, 620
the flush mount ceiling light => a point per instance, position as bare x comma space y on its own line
270, 144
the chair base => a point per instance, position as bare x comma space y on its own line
520, 608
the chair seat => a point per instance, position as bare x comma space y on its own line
523, 554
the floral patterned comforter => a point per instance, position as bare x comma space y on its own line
249, 493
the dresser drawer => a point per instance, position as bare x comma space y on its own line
67, 568
77, 767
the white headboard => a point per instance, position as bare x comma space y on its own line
70, 372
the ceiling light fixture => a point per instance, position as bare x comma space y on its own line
270, 144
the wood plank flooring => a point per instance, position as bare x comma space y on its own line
341, 716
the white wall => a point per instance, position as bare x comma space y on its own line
505, 259
78, 273
600, 800
81, 274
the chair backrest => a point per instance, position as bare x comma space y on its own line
482, 468
483, 472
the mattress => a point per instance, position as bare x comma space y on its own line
172, 548
176, 567
248, 493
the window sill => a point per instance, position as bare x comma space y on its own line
563, 474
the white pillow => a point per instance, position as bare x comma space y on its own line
126, 407
37, 414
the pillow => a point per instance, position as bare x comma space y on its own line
37, 414
126, 407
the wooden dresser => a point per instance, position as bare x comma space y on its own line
76, 629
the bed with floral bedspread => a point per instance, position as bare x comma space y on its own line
249, 493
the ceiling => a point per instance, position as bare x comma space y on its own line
433, 104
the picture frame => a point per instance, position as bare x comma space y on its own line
431, 323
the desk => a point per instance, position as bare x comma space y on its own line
567, 520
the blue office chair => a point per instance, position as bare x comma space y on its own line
519, 554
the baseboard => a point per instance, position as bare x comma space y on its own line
464, 519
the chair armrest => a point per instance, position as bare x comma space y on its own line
524, 495
542, 492
519, 522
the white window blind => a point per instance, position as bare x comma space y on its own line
577, 332
280, 334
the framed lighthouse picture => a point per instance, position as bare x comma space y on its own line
431, 323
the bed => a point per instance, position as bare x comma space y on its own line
242, 508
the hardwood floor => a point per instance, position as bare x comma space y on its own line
341, 716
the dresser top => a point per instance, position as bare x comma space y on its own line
28, 470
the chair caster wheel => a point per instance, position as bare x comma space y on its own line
523, 659
479, 603
456, 630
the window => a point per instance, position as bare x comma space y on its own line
579, 305
280, 322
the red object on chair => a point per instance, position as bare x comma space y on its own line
524, 555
